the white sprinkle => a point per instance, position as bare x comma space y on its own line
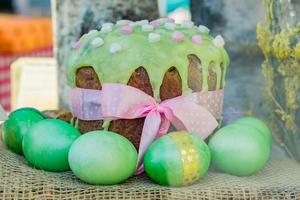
187, 24
203, 29
115, 48
107, 24
106, 29
219, 41
143, 22
153, 37
133, 24
97, 42
91, 32
162, 20
122, 22
169, 26
147, 28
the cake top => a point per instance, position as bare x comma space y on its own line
118, 49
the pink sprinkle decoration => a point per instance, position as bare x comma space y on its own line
170, 20
126, 29
196, 39
155, 23
76, 45
178, 36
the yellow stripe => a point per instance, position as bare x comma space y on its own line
189, 156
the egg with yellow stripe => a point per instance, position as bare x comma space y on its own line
177, 159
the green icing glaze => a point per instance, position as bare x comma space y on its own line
106, 124
137, 51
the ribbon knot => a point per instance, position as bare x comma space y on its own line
159, 108
119, 101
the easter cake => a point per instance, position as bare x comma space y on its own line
160, 58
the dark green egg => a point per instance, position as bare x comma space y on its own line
47, 143
17, 125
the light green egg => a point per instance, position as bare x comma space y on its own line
256, 123
239, 149
47, 143
103, 158
177, 159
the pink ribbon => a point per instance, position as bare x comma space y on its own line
119, 101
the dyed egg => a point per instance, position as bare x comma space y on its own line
177, 159
47, 143
239, 149
258, 124
103, 158
17, 125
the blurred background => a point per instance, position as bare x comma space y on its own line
25, 31
46, 29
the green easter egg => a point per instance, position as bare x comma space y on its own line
102, 158
47, 143
17, 125
177, 159
256, 123
239, 149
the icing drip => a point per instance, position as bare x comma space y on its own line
76, 122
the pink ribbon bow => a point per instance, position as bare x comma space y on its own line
119, 101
